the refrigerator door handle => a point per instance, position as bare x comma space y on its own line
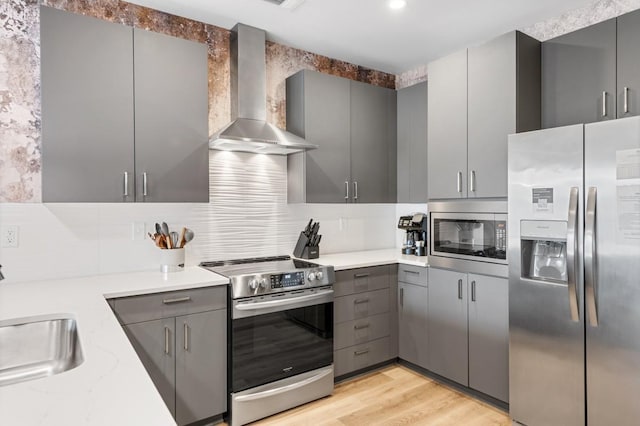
590, 257
572, 258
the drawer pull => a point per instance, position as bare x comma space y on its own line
360, 301
411, 272
361, 327
362, 352
176, 300
361, 275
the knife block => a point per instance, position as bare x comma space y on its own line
303, 251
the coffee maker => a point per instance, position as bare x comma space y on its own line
415, 240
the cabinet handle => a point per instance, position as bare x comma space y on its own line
362, 352
401, 296
176, 300
473, 291
460, 182
360, 301
360, 327
410, 272
472, 181
186, 337
360, 275
125, 192
604, 104
144, 184
346, 189
460, 289
626, 100
166, 340
355, 190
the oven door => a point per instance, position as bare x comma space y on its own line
278, 336
471, 236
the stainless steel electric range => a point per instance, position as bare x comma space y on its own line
281, 334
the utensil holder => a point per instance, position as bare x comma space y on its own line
172, 260
303, 250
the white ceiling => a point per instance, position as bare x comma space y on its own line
367, 32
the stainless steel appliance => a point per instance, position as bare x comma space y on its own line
463, 231
415, 227
574, 263
281, 334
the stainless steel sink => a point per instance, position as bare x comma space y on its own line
35, 348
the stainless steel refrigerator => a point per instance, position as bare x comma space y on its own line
574, 275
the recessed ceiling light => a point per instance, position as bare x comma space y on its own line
397, 4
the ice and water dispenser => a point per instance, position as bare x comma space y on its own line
543, 245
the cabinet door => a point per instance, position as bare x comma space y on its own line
448, 344
154, 342
201, 366
319, 111
412, 324
412, 144
492, 114
628, 64
87, 109
447, 127
370, 164
489, 336
171, 110
578, 72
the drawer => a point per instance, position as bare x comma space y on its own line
170, 304
362, 279
361, 305
356, 357
360, 331
412, 275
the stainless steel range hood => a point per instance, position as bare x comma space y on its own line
249, 130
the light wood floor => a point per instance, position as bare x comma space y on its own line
393, 395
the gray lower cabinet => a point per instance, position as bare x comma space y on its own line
181, 339
628, 57
469, 330
365, 318
448, 337
124, 113
413, 341
489, 335
412, 144
447, 127
579, 76
354, 125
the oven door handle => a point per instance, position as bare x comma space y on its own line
287, 388
281, 302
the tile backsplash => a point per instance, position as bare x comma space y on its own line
247, 215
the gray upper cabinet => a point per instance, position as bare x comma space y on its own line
354, 126
318, 109
87, 109
171, 119
124, 113
412, 144
412, 324
200, 383
373, 143
489, 336
447, 127
579, 76
448, 337
628, 55
504, 98
154, 342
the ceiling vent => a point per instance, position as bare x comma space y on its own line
287, 4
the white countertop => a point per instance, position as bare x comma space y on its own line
111, 387
361, 259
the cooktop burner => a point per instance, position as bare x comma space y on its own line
264, 275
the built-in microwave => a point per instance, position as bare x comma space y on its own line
470, 235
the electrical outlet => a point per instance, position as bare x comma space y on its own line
138, 231
10, 236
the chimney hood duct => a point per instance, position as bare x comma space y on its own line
249, 130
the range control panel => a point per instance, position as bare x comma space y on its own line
291, 279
